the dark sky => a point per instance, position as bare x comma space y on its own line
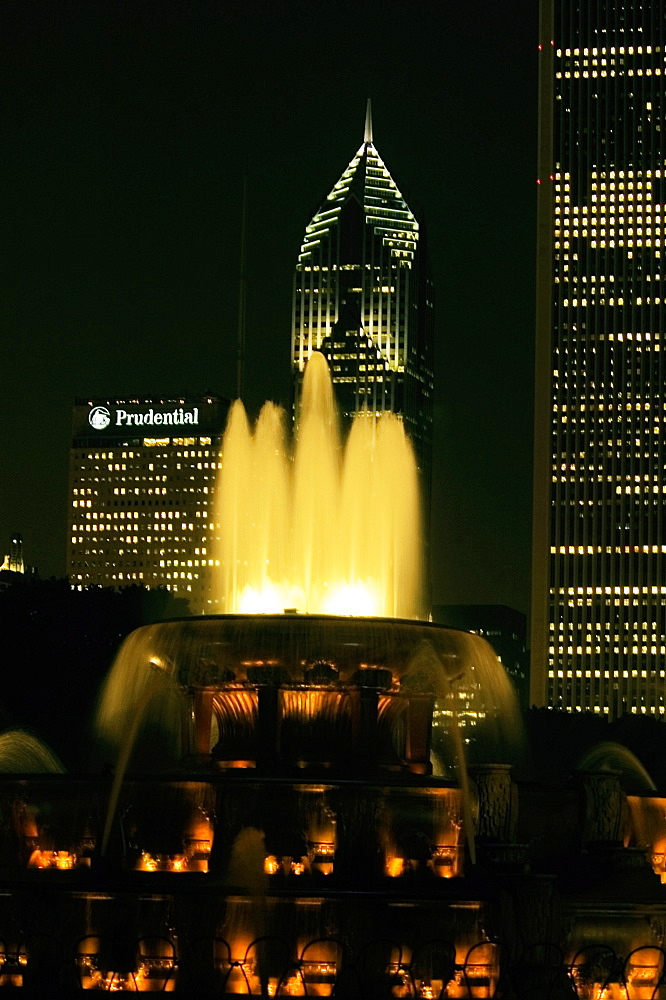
127, 129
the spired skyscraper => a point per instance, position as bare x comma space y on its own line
363, 296
599, 580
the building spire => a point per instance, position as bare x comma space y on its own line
367, 135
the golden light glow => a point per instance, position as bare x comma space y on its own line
165, 863
271, 865
322, 857
64, 860
154, 971
147, 863
270, 598
395, 866
313, 523
358, 598
12, 963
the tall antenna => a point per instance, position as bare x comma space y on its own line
367, 132
242, 294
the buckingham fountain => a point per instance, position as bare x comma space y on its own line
284, 818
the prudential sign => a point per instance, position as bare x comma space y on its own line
101, 417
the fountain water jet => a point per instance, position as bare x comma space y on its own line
614, 757
318, 527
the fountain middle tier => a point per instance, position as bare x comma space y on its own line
340, 833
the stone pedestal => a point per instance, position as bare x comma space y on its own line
497, 803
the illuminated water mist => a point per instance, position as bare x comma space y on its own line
318, 527
616, 758
22, 752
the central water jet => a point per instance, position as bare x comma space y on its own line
316, 525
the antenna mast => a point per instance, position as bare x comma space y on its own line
242, 294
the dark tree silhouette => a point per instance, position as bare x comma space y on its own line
558, 740
58, 644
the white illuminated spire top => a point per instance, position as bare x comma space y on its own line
367, 134
384, 207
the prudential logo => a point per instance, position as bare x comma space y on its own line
99, 418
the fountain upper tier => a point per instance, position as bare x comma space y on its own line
221, 650
303, 687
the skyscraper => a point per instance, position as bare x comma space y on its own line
141, 482
363, 296
599, 581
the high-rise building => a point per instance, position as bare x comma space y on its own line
141, 481
16, 554
599, 580
363, 296
13, 561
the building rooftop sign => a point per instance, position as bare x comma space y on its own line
107, 418
102, 417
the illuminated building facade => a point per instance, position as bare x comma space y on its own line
141, 483
599, 580
363, 296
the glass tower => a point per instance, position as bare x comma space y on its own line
599, 580
363, 296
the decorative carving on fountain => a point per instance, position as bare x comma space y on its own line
497, 803
604, 807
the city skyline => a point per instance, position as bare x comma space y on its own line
130, 132
599, 603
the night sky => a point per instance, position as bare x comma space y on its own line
127, 129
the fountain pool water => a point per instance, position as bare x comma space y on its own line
318, 527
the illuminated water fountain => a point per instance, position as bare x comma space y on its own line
273, 826
316, 526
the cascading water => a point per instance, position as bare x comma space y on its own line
21, 751
614, 757
319, 527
